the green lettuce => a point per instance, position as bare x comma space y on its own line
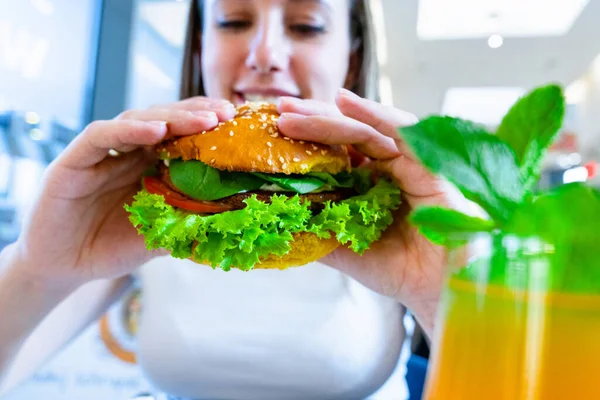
359, 220
243, 237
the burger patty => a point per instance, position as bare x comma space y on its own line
316, 199
237, 200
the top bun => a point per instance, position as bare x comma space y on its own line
251, 142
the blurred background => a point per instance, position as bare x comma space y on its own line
64, 63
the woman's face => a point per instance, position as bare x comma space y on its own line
260, 49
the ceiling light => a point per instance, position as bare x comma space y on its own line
462, 19
495, 41
32, 118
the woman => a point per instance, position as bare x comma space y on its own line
310, 332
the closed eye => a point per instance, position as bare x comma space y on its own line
307, 30
234, 24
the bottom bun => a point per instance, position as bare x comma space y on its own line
305, 248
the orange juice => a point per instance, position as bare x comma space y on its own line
502, 343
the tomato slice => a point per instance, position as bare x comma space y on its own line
155, 186
356, 158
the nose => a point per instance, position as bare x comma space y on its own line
269, 50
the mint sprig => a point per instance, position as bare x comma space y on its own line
498, 172
495, 171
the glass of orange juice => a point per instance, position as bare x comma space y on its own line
516, 323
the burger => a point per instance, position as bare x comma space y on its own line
245, 196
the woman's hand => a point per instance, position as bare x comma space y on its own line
78, 230
402, 264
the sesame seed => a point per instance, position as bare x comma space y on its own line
309, 152
221, 123
251, 126
230, 133
269, 162
273, 118
234, 123
269, 144
274, 135
323, 152
296, 159
286, 138
264, 126
292, 141
302, 142
304, 166
281, 159
175, 143
203, 132
284, 165
259, 157
315, 147
263, 117
213, 148
212, 161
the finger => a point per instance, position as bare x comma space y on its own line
179, 122
113, 173
338, 130
122, 173
414, 180
384, 119
224, 109
307, 107
315, 107
93, 144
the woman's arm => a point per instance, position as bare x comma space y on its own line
76, 241
38, 320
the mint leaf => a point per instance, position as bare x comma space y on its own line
530, 127
568, 213
448, 227
482, 166
566, 219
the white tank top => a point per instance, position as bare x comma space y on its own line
304, 333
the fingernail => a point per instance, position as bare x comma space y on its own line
227, 107
222, 102
347, 93
205, 114
289, 99
158, 123
291, 116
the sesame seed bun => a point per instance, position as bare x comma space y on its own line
251, 142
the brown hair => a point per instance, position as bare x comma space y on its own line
363, 63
